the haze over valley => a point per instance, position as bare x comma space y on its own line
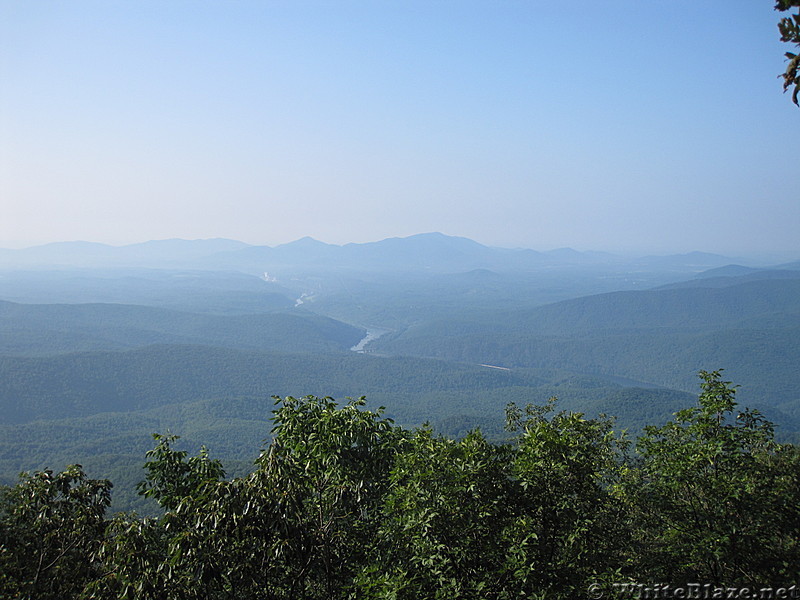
101, 346
461, 299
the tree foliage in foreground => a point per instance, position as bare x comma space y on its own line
51, 527
344, 504
789, 28
716, 498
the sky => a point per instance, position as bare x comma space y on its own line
638, 126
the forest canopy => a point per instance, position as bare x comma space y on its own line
343, 503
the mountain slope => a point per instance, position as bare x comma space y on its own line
663, 336
32, 329
196, 291
155, 253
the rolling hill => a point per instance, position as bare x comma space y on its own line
664, 337
31, 329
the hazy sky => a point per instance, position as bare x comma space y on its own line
640, 125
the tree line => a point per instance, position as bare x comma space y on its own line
343, 503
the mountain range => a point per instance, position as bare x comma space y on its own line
101, 346
431, 251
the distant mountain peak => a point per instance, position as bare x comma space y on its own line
304, 242
435, 235
570, 252
216, 242
76, 244
433, 239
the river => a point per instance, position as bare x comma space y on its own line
372, 334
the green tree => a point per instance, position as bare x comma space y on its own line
299, 526
536, 518
166, 557
716, 496
51, 526
331, 465
789, 28
442, 520
171, 477
570, 527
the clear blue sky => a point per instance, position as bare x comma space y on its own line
628, 125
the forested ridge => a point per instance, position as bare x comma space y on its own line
357, 502
661, 336
344, 503
46, 329
98, 408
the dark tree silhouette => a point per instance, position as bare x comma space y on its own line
790, 33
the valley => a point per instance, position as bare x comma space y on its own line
100, 347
